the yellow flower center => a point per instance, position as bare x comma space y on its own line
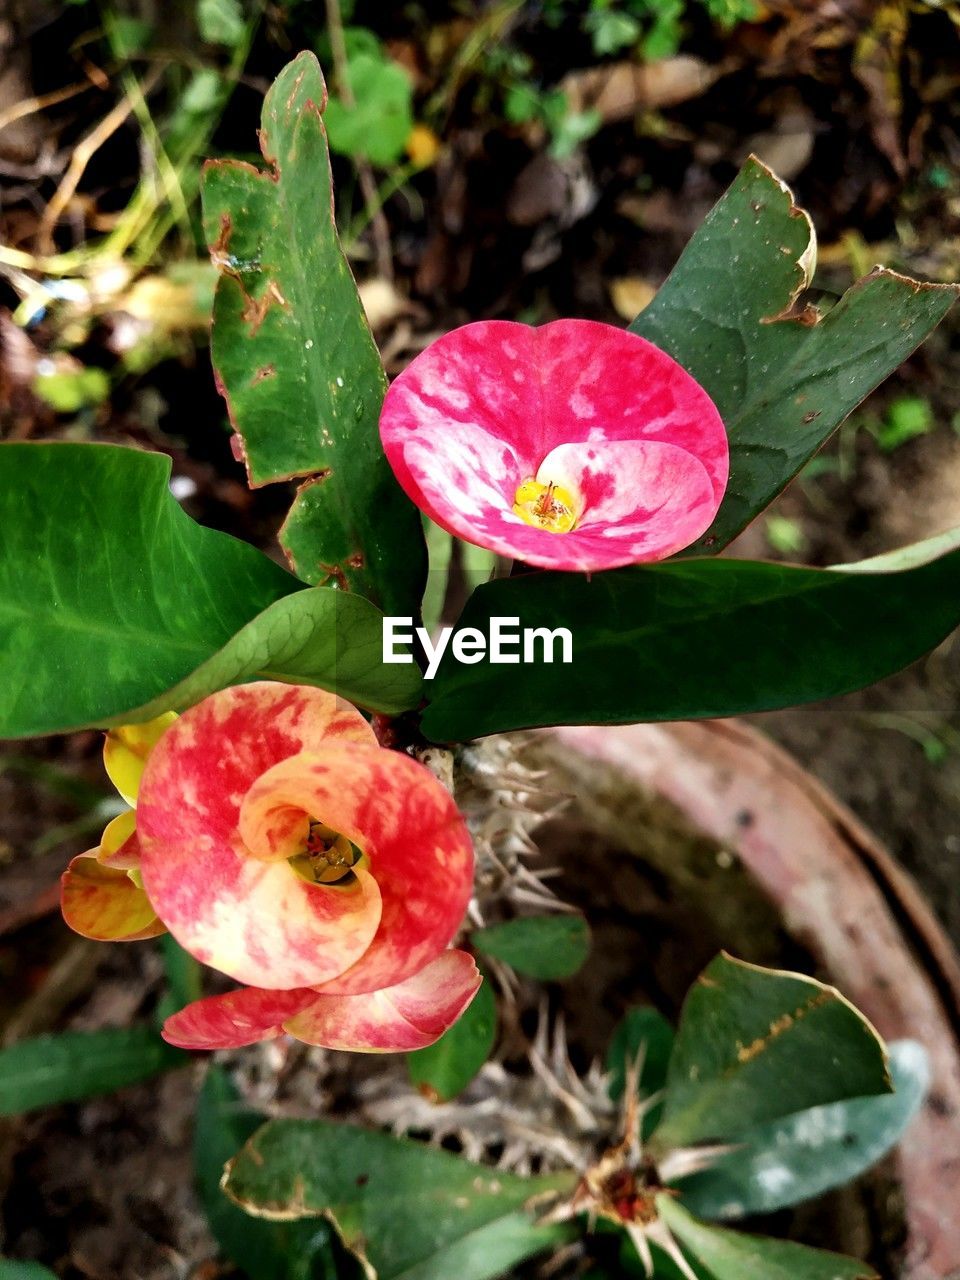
546, 506
327, 858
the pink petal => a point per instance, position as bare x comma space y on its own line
236, 1019
416, 844
478, 412
410, 1015
256, 920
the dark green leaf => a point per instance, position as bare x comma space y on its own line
419, 1214
319, 636
109, 592
11, 1269
795, 1159
80, 1064
647, 1035
444, 1069
184, 978
295, 357
543, 947
693, 638
755, 1045
730, 1255
264, 1250
782, 384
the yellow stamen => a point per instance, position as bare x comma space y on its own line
328, 856
546, 506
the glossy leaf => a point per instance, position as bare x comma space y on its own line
691, 639
646, 1035
419, 1213
323, 637
80, 1064
264, 1250
543, 947
109, 592
445, 1068
795, 1159
783, 383
731, 1255
295, 357
754, 1045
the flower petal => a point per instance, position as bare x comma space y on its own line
477, 413
415, 841
119, 846
103, 903
236, 1019
257, 921
410, 1015
126, 750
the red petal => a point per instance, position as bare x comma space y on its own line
236, 1019
407, 1016
416, 844
255, 920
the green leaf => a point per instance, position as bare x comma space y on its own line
445, 1068
295, 357
782, 384
70, 390
109, 592
11, 1269
320, 636
377, 124
419, 1213
647, 1035
729, 1255
184, 976
221, 22
755, 1045
791, 1160
543, 947
690, 639
80, 1064
265, 1250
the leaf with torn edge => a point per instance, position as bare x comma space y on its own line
731, 1255
782, 377
264, 1250
406, 1210
754, 1045
295, 358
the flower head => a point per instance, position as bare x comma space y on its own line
101, 892
280, 844
575, 445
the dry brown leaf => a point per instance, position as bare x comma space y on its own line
620, 89
630, 294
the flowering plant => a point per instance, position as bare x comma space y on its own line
292, 823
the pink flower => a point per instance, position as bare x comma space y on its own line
282, 845
576, 445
